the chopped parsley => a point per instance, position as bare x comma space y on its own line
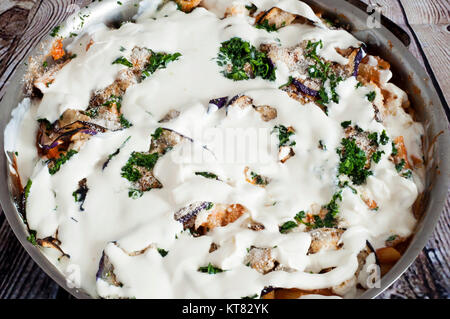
124, 122
258, 179
333, 210
353, 161
162, 252
26, 190
384, 139
147, 161
346, 124
45, 64
392, 238
122, 60
207, 175
394, 150
322, 71
32, 237
328, 221
117, 100
60, 161
407, 174
376, 157
284, 135
158, 61
210, 269
399, 167
240, 58
287, 226
157, 133
55, 31
371, 96
266, 26
373, 137
135, 193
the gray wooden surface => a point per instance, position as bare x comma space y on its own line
24, 22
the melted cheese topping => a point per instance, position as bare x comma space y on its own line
224, 142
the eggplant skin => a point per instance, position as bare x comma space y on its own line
106, 271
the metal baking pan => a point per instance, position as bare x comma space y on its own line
408, 74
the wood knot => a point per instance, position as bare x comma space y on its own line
13, 22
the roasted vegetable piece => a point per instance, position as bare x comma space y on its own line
275, 18
325, 239
216, 215
260, 259
187, 5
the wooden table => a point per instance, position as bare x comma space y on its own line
24, 22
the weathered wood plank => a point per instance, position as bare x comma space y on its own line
427, 11
20, 276
430, 25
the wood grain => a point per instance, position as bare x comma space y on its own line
23, 23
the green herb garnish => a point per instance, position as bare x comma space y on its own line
394, 150
346, 124
399, 167
162, 252
147, 161
123, 61
124, 122
239, 57
384, 139
135, 193
371, 96
322, 71
158, 61
284, 135
287, 226
407, 174
266, 26
157, 134
207, 175
376, 157
32, 237
392, 237
60, 161
55, 31
210, 269
26, 190
353, 161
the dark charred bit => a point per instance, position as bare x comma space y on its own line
213, 247
255, 226
52, 242
81, 192
266, 290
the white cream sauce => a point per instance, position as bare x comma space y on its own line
305, 181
